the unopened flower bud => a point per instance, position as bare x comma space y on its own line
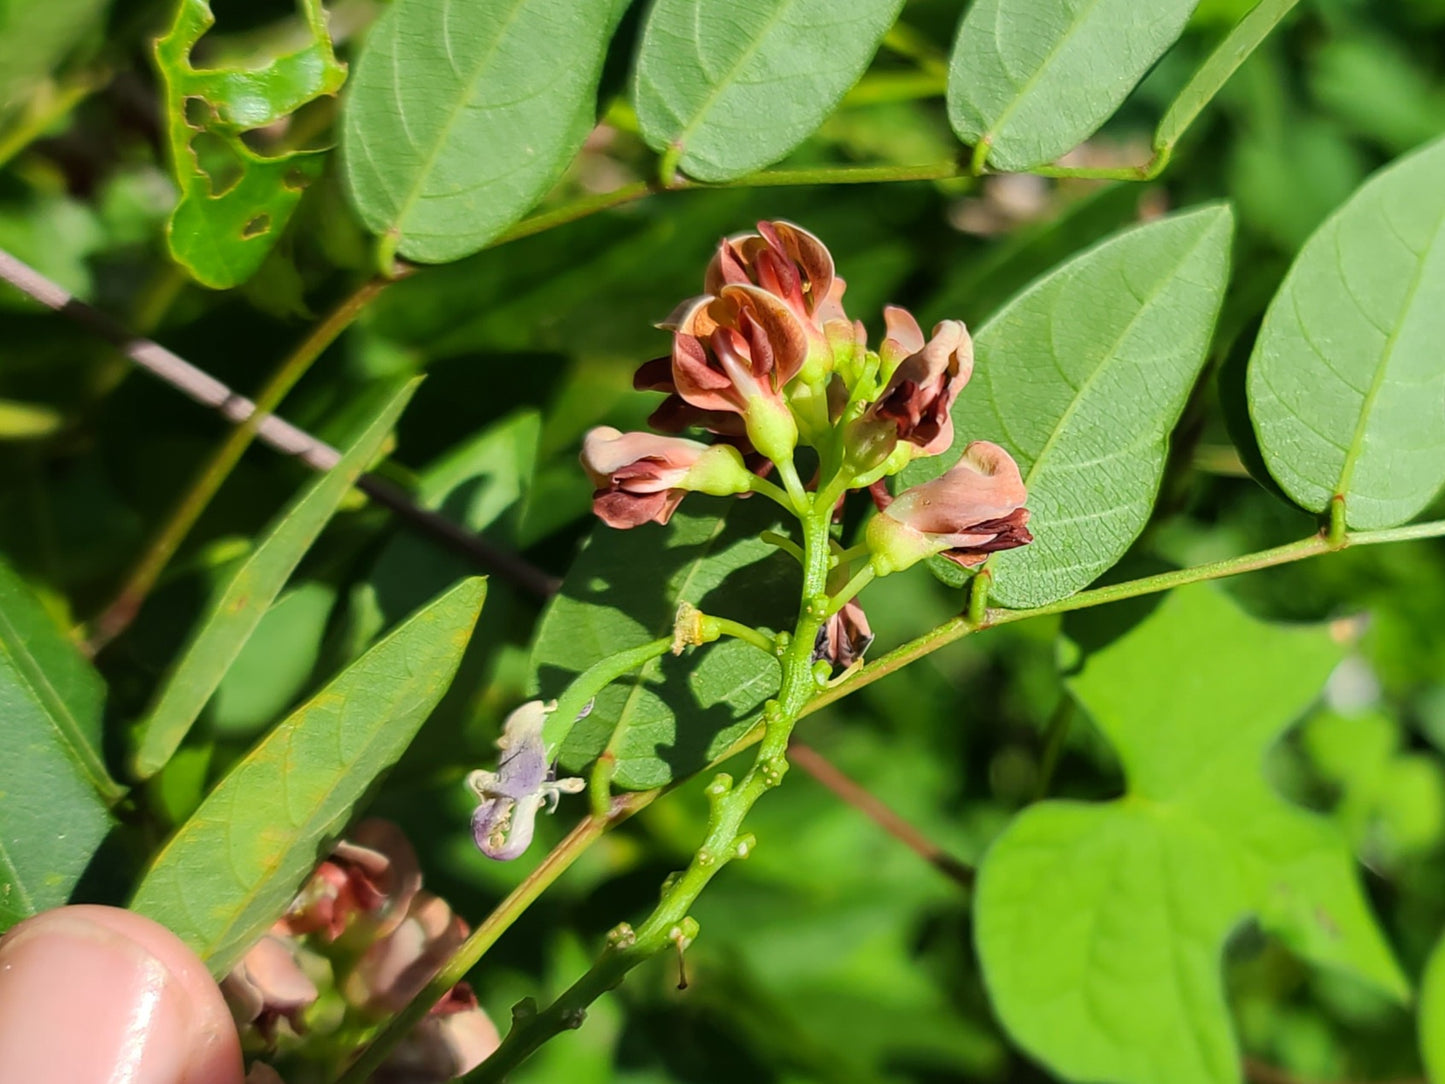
974, 509
771, 428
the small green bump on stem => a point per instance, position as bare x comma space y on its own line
822, 673
720, 787
667, 165
704, 858
670, 882
781, 644
979, 160
684, 933
572, 1019
744, 844
772, 770
524, 1010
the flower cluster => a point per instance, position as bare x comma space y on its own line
364, 929
767, 360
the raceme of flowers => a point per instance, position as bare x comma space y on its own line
767, 359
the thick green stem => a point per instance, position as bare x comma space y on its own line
669, 923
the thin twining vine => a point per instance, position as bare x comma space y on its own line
769, 363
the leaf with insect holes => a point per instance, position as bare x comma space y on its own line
235, 202
1101, 925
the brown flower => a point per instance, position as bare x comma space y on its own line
742, 345
450, 1041
395, 968
368, 879
642, 477
269, 985
844, 637
787, 261
974, 509
918, 398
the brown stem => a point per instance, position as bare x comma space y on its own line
871, 806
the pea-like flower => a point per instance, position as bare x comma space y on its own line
788, 262
394, 969
270, 985
642, 477
974, 509
926, 377
367, 883
454, 1037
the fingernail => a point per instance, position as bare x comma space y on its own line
83, 1000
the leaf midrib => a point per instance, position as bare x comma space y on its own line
1377, 382
1023, 90
458, 108
66, 726
718, 87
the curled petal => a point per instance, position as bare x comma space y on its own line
974, 509
638, 476
782, 258
919, 396
450, 1041
269, 985
394, 969
844, 637
368, 879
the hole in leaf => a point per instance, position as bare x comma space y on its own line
218, 161
296, 180
257, 226
199, 113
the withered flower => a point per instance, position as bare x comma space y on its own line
642, 477
395, 968
918, 398
454, 1037
974, 509
844, 637
369, 879
269, 985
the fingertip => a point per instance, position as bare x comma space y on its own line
102, 994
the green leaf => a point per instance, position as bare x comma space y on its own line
232, 869
1031, 79
1081, 378
1432, 1014
1101, 927
462, 114
733, 85
1218, 67
35, 35
623, 592
27, 421
1345, 384
235, 202
54, 801
240, 605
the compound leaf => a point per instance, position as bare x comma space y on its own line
1031, 79
462, 114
